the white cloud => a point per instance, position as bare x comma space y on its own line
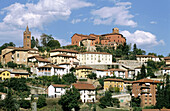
63, 42
153, 22
75, 21
142, 38
36, 15
119, 15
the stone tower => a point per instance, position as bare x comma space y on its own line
115, 30
27, 38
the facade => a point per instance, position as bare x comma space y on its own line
166, 70
67, 67
19, 73
111, 82
94, 58
5, 75
167, 61
101, 73
145, 58
83, 71
63, 51
117, 72
17, 55
37, 61
87, 92
111, 39
27, 38
57, 90
50, 70
146, 90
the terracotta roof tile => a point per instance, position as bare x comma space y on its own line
82, 86
64, 50
95, 53
83, 67
113, 79
64, 55
50, 66
60, 85
146, 56
145, 80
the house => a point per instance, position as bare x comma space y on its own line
67, 66
50, 70
145, 58
117, 72
87, 92
57, 90
38, 61
94, 58
112, 82
167, 61
19, 73
137, 70
83, 71
101, 73
64, 58
146, 90
166, 70
17, 55
5, 74
63, 51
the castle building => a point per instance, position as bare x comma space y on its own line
27, 38
111, 39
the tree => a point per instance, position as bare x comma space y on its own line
135, 102
143, 72
11, 64
101, 81
41, 101
92, 76
5, 45
160, 98
25, 104
53, 44
33, 42
10, 104
107, 100
36, 42
152, 54
45, 39
69, 78
70, 100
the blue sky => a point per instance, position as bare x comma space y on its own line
144, 22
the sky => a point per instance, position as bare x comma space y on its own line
144, 22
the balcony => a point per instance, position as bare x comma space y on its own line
145, 91
145, 87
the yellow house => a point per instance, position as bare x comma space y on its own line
18, 73
5, 75
111, 82
83, 71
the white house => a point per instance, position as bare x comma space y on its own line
50, 70
145, 58
87, 92
37, 61
94, 58
137, 70
117, 72
101, 73
131, 73
63, 51
67, 66
166, 70
57, 90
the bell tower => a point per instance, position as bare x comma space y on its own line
27, 38
115, 30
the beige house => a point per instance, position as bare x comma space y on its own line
145, 58
83, 71
63, 51
167, 61
17, 55
94, 58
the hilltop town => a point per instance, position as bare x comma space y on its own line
93, 73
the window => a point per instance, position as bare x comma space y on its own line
17, 55
28, 37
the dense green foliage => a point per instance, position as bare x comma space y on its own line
5, 45
41, 101
92, 76
107, 100
135, 102
33, 42
25, 104
53, 44
69, 78
163, 97
70, 100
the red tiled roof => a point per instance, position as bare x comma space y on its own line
166, 68
82, 86
95, 53
64, 64
146, 56
64, 55
50, 66
117, 70
112, 79
83, 67
60, 85
145, 80
64, 50
100, 69
167, 58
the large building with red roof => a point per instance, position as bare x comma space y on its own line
111, 39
